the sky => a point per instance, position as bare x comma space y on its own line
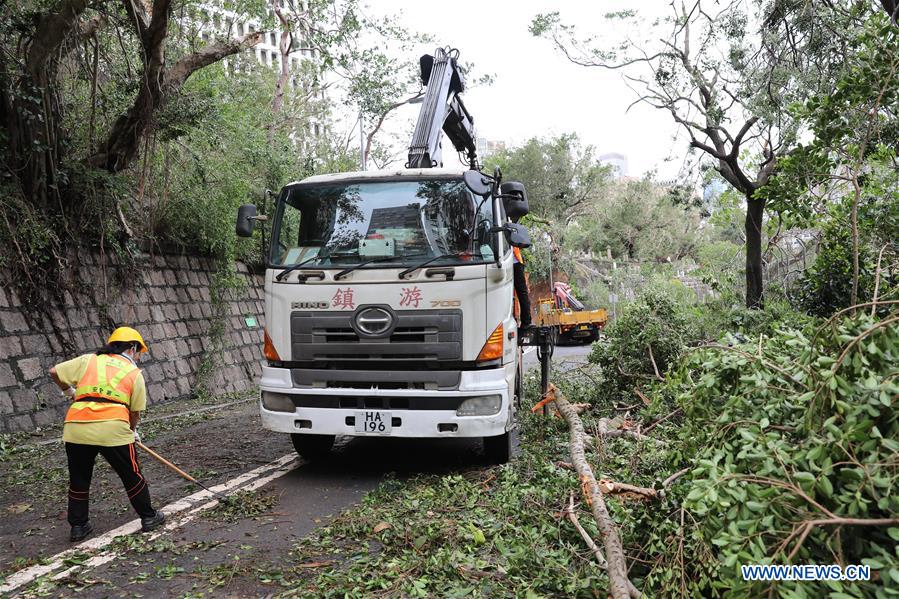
537, 92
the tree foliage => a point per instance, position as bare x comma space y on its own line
726, 74
561, 176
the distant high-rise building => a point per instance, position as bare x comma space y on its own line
213, 20
617, 161
488, 147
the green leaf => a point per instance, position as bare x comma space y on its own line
825, 486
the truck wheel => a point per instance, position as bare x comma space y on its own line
312, 446
498, 449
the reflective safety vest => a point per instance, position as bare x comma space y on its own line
104, 392
518, 257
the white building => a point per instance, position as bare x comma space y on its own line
488, 147
617, 161
216, 21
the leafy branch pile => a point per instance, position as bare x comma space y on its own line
781, 449
794, 446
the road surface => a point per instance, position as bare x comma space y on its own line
203, 543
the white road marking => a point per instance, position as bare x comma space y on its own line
108, 556
252, 480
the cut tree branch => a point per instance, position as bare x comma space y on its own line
621, 587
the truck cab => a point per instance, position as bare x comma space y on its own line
388, 300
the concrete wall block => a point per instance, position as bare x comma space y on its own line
181, 329
31, 368
170, 330
10, 347
13, 322
4, 301
23, 400
158, 295
170, 371
45, 418
171, 277
170, 388
155, 392
141, 314
183, 368
184, 387
7, 377
6, 406
34, 344
22, 422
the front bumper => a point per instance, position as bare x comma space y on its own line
415, 423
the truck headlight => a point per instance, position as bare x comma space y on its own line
483, 405
277, 402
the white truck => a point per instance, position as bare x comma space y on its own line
388, 294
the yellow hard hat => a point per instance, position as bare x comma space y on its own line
127, 334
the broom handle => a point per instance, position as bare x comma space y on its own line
168, 463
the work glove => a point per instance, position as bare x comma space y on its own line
70, 392
136, 436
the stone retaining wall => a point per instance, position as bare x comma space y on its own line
166, 298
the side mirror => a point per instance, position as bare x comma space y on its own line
246, 217
517, 235
477, 183
515, 199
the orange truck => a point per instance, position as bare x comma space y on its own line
569, 317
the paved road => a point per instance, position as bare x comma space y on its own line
178, 560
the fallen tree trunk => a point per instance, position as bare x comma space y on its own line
620, 585
604, 430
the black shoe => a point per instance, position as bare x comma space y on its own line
148, 524
80, 531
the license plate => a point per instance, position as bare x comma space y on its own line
583, 327
374, 422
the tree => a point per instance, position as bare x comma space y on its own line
560, 175
35, 146
847, 175
725, 78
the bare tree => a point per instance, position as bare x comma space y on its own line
724, 77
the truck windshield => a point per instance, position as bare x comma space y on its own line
389, 224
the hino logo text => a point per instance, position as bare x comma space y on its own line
309, 306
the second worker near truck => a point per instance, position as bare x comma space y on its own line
109, 394
519, 278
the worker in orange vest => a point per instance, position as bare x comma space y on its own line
519, 279
108, 395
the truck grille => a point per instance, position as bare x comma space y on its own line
420, 335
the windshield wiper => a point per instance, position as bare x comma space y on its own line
403, 274
347, 271
280, 276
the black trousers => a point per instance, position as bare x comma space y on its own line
123, 459
521, 292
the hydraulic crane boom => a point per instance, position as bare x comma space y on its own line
442, 110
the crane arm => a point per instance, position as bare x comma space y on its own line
442, 111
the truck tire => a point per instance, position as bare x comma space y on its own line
312, 447
498, 449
